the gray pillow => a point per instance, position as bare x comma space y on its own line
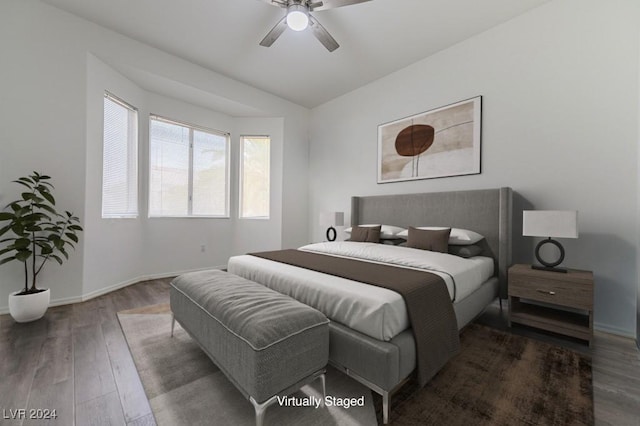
465, 251
428, 239
365, 234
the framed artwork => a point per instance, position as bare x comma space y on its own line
438, 143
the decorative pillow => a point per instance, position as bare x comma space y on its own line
429, 239
465, 251
387, 232
365, 234
458, 236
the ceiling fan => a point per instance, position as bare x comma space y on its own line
299, 18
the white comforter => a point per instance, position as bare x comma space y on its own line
371, 310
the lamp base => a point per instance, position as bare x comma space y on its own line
548, 268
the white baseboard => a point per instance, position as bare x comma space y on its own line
606, 328
92, 295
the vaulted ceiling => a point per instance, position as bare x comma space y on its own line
376, 37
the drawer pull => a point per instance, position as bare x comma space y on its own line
550, 293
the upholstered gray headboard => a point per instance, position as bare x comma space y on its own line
486, 211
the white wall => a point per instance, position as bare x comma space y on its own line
54, 70
560, 122
42, 126
638, 217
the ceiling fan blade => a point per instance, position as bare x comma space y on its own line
274, 33
279, 3
332, 4
323, 35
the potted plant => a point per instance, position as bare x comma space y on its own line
38, 234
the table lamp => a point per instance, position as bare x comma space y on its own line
331, 219
550, 224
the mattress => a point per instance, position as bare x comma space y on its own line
373, 311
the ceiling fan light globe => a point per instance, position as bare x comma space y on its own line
297, 17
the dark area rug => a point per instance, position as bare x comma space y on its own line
500, 379
497, 379
185, 388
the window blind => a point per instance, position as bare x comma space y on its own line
120, 159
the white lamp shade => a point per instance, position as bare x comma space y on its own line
550, 223
331, 218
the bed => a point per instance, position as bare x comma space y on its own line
380, 351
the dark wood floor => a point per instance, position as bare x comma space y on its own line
76, 361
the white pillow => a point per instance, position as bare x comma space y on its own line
387, 232
458, 237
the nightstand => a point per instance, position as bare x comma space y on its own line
557, 302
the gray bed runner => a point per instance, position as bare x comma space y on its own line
430, 310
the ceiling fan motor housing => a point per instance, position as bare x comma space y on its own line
297, 16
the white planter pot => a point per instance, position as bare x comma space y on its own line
29, 307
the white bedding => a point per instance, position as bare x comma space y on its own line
371, 310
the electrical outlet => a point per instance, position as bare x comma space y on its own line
203, 248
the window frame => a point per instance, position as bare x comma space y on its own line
133, 168
241, 176
192, 128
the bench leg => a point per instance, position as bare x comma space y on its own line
173, 323
262, 408
385, 407
324, 389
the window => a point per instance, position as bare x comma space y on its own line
254, 176
188, 170
119, 159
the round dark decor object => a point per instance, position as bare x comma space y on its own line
414, 140
331, 234
542, 261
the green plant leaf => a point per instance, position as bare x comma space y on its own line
49, 209
36, 217
22, 243
23, 255
7, 216
22, 183
48, 197
18, 229
6, 250
23, 211
75, 227
44, 177
71, 236
57, 258
26, 179
7, 259
64, 252
5, 230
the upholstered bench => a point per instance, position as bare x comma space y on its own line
266, 343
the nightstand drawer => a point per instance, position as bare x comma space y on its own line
571, 294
